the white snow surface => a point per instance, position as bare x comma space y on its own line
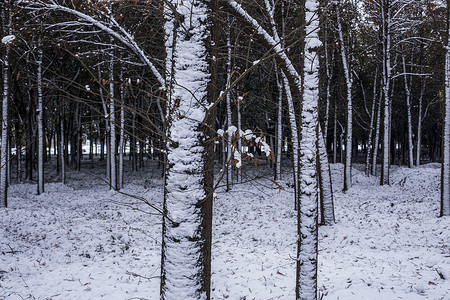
77, 242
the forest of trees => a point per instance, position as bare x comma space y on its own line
194, 84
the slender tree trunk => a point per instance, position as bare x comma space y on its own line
122, 129
294, 136
408, 109
349, 131
328, 85
335, 137
279, 124
5, 100
386, 36
445, 172
239, 129
370, 148
377, 137
78, 136
228, 103
40, 125
325, 184
419, 122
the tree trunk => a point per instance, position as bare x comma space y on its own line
349, 131
228, 164
185, 259
279, 125
408, 109
325, 184
122, 129
5, 99
370, 148
306, 287
419, 122
445, 172
386, 36
294, 136
40, 125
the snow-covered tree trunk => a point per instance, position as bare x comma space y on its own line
377, 137
306, 287
279, 124
387, 69
325, 185
408, 110
112, 130
349, 131
371, 125
239, 129
328, 85
61, 146
40, 124
122, 129
445, 172
228, 104
335, 137
419, 123
5, 100
294, 136
184, 259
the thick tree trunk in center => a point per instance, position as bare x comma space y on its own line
184, 259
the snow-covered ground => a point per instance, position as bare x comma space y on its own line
83, 241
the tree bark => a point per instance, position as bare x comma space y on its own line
325, 184
445, 172
112, 130
349, 131
386, 37
184, 260
408, 110
40, 125
306, 287
5, 99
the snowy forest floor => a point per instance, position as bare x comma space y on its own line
83, 241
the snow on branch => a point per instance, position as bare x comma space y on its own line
7, 40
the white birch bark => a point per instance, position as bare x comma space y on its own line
377, 137
386, 36
370, 148
445, 173
328, 85
228, 104
419, 123
279, 124
112, 130
349, 131
40, 125
239, 129
5, 100
325, 185
335, 137
61, 146
183, 260
294, 136
122, 129
408, 109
